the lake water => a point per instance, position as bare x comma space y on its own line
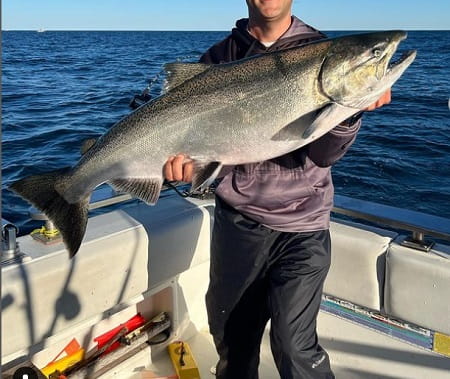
60, 88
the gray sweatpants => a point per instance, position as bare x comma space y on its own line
259, 274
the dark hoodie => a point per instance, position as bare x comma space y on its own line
294, 192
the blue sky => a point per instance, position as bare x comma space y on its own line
217, 14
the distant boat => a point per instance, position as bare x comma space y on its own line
41, 30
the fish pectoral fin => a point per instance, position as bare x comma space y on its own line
177, 73
326, 119
294, 130
315, 124
146, 189
204, 174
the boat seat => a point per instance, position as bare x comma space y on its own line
357, 264
417, 288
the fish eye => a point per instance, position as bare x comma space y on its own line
377, 53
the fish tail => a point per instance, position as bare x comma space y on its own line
69, 218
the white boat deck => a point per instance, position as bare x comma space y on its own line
355, 352
160, 259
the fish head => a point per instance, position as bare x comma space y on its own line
357, 69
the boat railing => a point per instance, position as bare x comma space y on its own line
419, 225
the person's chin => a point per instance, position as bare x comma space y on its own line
271, 15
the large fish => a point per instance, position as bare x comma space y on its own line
246, 111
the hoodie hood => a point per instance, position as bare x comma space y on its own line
298, 32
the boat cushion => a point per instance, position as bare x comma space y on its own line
357, 265
417, 288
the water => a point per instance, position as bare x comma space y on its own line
60, 88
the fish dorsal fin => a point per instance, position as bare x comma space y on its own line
177, 73
87, 144
204, 174
146, 189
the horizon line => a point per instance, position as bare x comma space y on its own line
197, 30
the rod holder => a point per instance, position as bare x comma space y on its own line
10, 246
417, 241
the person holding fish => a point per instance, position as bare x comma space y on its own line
270, 250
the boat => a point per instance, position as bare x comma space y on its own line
41, 30
385, 310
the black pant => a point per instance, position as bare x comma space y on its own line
259, 274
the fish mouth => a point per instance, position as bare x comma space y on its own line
397, 67
402, 63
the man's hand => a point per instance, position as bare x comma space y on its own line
178, 167
383, 100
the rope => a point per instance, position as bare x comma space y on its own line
48, 233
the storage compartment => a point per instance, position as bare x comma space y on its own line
160, 299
